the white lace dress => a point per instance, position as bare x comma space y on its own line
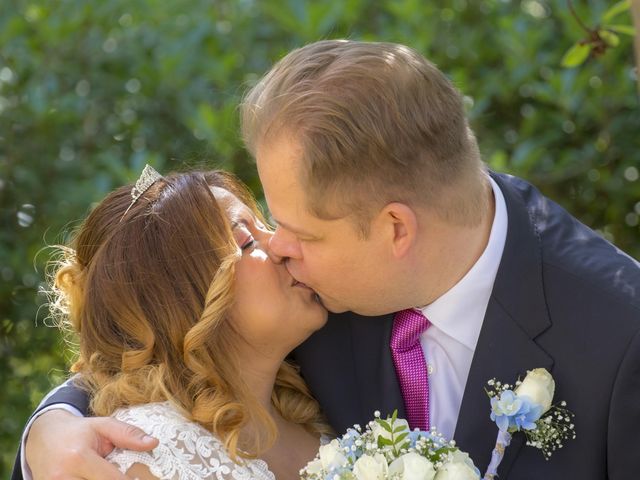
186, 451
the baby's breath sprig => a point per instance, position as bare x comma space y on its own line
552, 430
495, 387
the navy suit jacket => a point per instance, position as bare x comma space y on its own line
564, 299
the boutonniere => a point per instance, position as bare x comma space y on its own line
527, 407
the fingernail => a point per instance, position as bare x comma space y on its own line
148, 439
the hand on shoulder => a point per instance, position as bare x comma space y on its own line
62, 445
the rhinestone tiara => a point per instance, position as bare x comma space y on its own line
148, 177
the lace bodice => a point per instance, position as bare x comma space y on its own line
186, 451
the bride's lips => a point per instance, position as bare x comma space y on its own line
296, 283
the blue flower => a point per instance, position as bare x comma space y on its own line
348, 443
512, 413
414, 435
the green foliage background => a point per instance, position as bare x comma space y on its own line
90, 91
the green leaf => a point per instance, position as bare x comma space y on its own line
616, 10
394, 416
384, 424
384, 442
609, 37
401, 437
624, 29
576, 55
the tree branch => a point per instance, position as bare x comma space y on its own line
635, 14
578, 19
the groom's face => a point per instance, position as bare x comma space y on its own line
329, 256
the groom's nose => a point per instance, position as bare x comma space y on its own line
283, 245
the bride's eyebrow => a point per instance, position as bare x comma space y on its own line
239, 222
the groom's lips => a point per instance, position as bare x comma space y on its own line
316, 297
297, 283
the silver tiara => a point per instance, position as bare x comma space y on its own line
148, 177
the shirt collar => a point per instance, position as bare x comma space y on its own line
460, 312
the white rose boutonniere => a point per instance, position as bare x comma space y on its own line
528, 408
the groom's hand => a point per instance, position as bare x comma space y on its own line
63, 446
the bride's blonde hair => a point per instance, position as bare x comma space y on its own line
148, 295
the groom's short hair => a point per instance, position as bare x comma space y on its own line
376, 123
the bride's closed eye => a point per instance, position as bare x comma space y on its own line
250, 243
243, 235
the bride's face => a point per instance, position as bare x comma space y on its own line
271, 311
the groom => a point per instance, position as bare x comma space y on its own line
383, 205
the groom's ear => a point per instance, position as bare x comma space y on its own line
401, 224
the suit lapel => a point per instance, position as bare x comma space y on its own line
503, 352
506, 348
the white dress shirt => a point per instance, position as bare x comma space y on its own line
456, 319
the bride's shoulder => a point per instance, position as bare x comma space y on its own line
186, 450
159, 414
165, 422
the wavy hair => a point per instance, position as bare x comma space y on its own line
148, 295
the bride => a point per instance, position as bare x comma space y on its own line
184, 324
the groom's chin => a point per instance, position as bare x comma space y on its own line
332, 307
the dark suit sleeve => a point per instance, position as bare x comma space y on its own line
624, 417
68, 393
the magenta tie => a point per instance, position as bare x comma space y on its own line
411, 366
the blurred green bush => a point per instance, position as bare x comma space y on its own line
90, 91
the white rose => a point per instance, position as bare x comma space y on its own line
458, 456
412, 466
539, 386
331, 455
458, 467
379, 431
314, 467
371, 468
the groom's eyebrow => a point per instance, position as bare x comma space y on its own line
288, 227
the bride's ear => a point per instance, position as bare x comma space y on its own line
401, 224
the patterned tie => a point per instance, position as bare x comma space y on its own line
411, 366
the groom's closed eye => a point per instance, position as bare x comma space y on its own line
301, 235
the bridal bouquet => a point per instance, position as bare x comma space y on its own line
389, 449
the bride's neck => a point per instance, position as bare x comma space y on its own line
259, 371
294, 446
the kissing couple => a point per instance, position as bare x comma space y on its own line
206, 350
